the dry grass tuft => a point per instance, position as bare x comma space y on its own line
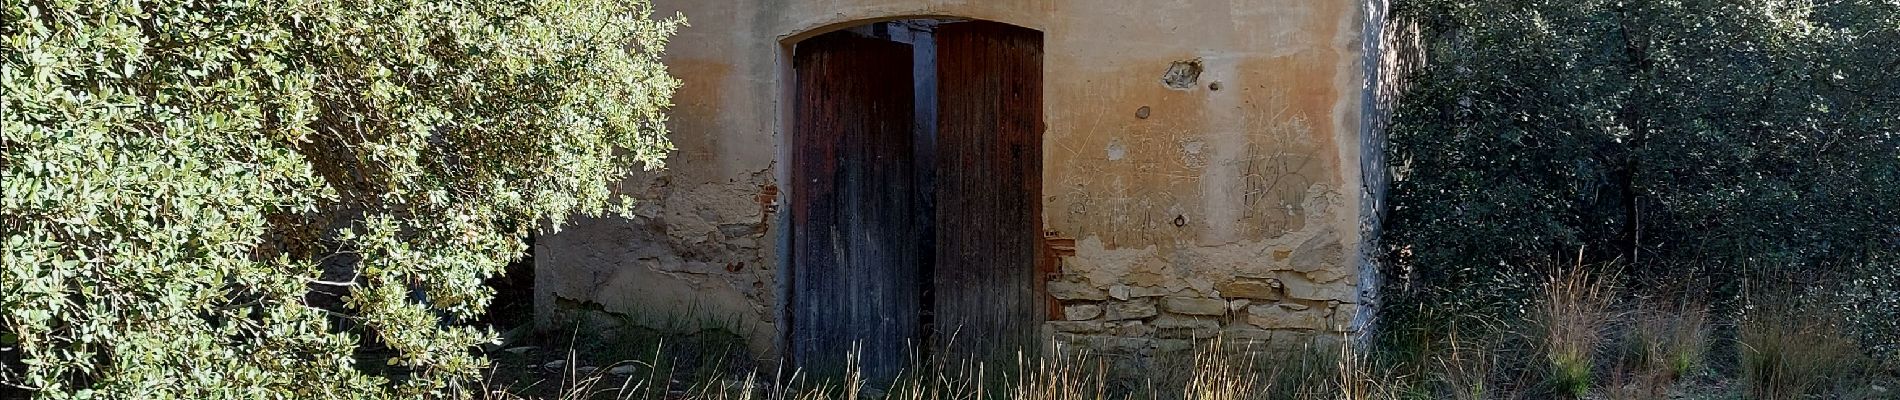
1220, 376
1662, 344
1569, 324
1576, 341
1465, 369
1792, 351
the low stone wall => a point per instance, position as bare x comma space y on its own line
1144, 318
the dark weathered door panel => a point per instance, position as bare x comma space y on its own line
855, 284
987, 293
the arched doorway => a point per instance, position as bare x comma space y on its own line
915, 201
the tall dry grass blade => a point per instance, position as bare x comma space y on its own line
1465, 369
1792, 349
1217, 376
1570, 322
1663, 343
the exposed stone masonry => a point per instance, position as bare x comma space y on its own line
1245, 308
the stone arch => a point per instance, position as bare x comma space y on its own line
803, 32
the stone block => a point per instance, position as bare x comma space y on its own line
1328, 274
1194, 306
1200, 285
1174, 346
1066, 290
1129, 345
1321, 252
1243, 333
1149, 291
1145, 278
1134, 329
1081, 312
1125, 292
1304, 289
1342, 316
1078, 326
1260, 289
1271, 316
1132, 309
1105, 344
1185, 327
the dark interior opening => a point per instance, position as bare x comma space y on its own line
512, 310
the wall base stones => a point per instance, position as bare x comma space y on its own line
1290, 291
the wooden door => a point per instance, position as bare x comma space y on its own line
987, 296
855, 283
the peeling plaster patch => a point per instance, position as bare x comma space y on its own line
1103, 266
1321, 251
1116, 151
1182, 74
1193, 146
692, 250
1194, 154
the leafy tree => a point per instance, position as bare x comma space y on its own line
1721, 140
179, 174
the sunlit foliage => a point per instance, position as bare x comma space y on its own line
181, 174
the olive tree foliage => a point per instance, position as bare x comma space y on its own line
177, 173
1701, 141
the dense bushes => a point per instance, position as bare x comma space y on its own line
1694, 145
179, 174
1873, 304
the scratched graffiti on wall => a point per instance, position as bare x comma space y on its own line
1153, 183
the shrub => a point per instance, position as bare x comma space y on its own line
1675, 138
1872, 301
179, 174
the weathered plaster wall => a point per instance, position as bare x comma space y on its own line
1232, 205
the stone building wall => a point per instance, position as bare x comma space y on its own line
1202, 172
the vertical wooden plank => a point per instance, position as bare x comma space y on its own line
855, 281
987, 298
